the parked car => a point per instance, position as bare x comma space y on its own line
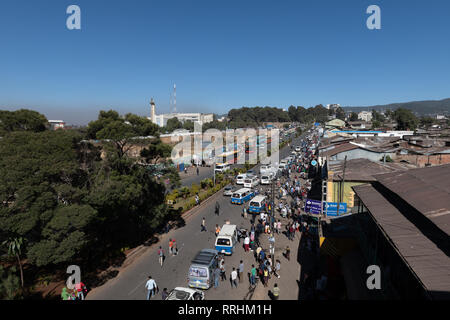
181, 293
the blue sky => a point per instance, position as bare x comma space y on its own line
220, 54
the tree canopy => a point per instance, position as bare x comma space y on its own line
69, 203
22, 120
406, 120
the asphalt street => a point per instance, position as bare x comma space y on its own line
129, 284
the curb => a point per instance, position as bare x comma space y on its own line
186, 215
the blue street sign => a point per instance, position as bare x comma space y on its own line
313, 206
331, 208
314, 162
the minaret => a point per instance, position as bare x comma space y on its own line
152, 111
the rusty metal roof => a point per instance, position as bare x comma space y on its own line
427, 261
338, 149
425, 189
363, 169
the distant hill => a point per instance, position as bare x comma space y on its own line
430, 107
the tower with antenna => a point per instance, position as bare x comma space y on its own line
174, 98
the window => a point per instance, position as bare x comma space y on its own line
223, 242
198, 272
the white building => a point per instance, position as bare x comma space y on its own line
56, 124
333, 106
161, 119
365, 116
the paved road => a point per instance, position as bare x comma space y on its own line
129, 284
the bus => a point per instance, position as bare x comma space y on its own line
257, 204
242, 195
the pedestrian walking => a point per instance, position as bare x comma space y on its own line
233, 278
276, 271
170, 247
253, 275
223, 275
217, 274
288, 253
197, 170
197, 199
81, 290
164, 294
217, 208
174, 247
203, 225
246, 243
241, 271
266, 277
217, 230
245, 212
275, 291
161, 256
151, 287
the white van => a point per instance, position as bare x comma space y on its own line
251, 182
240, 178
264, 169
267, 178
226, 239
222, 167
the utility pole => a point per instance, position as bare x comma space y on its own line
342, 186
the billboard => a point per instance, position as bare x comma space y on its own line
330, 208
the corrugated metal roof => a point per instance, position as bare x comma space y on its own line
363, 169
338, 149
425, 189
425, 259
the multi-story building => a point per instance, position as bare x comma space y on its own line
365, 115
161, 119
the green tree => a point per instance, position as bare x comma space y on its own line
9, 283
426, 122
14, 246
406, 120
340, 113
22, 120
188, 125
121, 132
353, 116
173, 124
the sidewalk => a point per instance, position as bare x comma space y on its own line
291, 271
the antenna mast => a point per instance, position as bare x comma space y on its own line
174, 98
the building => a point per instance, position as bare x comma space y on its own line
365, 116
333, 106
56, 124
161, 120
404, 223
357, 172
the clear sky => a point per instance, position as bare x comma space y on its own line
220, 54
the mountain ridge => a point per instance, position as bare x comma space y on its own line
425, 107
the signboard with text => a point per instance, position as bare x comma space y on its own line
330, 208
313, 206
